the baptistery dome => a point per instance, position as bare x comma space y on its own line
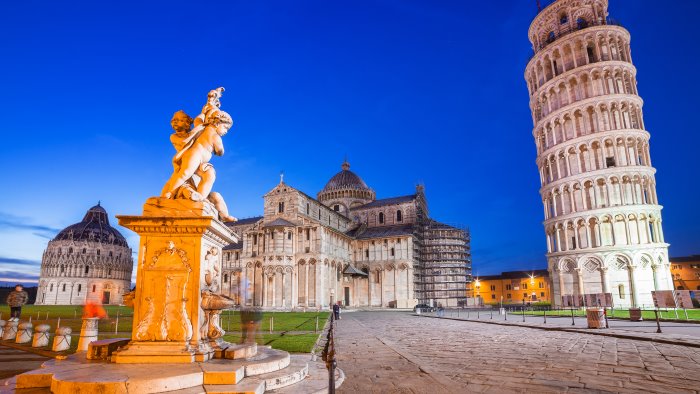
345, 190
87, 261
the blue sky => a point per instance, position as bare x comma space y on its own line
411, 91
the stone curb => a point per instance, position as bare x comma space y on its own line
29, 349
579, 331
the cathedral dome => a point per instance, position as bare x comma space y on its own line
94, 228
345, 179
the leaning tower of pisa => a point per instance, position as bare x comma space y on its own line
598, 186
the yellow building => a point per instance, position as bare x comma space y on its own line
512, 287
686, 272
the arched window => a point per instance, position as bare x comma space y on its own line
80, 287
84, 250
336, 207
225, 278
51, 287
393, 251
94, 287
581, 23
307, 208
63, 268
98, 252
110, 254
621, 291
280, 207
70, 250
289, 235
399, 216
87, 269
381, 218
64, 287
551, 37
563, 19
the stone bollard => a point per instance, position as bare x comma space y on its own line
2, 327
24, 333
61, 341
10, 331
88, 333
41, 335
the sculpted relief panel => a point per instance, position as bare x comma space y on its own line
165, 294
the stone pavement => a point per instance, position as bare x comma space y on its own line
391, 352
15, 361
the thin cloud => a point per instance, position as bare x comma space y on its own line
10, 260
14, 275
12, 222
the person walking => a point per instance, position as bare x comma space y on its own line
336, 311
16, 299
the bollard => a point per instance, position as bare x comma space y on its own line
316, 330
41, 335
477, 314
545, 316
10, 331
573, 322
24, 333
523, 315
686, 314
505, 315
116, 323
271, 323
491, 314
47, 315
62, 339
88, 333
658, 322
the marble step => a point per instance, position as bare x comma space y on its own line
294, 373
316, 381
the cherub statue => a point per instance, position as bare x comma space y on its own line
193, 175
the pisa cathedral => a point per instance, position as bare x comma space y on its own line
87, 261
598, 186
346, 245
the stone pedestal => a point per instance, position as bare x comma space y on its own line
88, 333
24, 333
62, 339
179, 261
10, 331
41, 335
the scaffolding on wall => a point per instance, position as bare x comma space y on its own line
444, 264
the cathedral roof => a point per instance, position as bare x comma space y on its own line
94, 228
280, 223
363, 232
387, 201
345, 179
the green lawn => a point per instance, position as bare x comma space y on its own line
693, 314
293, 331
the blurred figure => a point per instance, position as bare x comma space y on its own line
94, 309
336, 310
250, 315
16, 299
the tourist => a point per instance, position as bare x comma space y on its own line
251, 316
336, 310
15, 300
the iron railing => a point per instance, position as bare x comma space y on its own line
328, 354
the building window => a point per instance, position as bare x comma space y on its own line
110, 254
64, 287
308, 234
381, 218
542, 294
524, 286
508, 296
493, 296
493, 287
109, 272
80, 287
524, 295
289, 235
98, 252
392, 251
63, 268
563, 20
84, 250
336, 207
399, 216
610, 162
367, 253
550, 37
225, 278
280, 207
307, 208
621, 291
509, 287
51, 287
581, 23
94, 287
87, 269
541, 285
70, 250
255, 239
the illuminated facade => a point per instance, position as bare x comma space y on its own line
598, 186
512, 287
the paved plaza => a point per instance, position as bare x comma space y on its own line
395, 352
